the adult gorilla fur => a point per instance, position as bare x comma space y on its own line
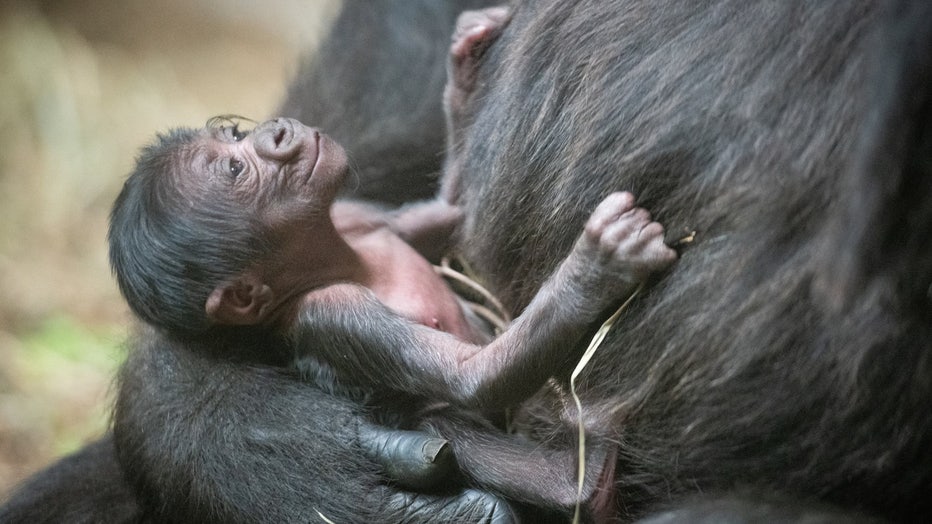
789, 351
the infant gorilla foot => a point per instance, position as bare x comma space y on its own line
622, 240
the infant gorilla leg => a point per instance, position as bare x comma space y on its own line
533, 473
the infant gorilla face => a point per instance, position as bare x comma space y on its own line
280, 164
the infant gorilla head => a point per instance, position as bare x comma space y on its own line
210, 218
203, 205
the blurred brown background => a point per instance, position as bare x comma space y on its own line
83, 84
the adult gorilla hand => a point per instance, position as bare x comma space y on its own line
467, 506
410, 459
423, 463
206, 439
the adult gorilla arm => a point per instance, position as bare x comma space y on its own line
209, 440
84, 487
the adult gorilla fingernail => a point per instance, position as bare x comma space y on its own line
433, 447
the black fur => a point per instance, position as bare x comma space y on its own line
264, 416
86, 487
207, 438
789, 349
747, 507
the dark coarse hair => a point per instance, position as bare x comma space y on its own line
169, 250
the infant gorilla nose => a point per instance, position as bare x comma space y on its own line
283, 138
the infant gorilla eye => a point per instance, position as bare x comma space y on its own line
236, 167
237, 134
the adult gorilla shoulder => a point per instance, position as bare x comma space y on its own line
788, 351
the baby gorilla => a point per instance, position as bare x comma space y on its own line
234, 242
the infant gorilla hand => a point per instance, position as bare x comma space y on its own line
622, 242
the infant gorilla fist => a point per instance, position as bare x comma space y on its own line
619, 248
623, 239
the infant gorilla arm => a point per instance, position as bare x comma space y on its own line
347, 327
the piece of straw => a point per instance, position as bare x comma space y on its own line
583, 362
492, 312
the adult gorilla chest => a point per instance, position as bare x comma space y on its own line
768, 356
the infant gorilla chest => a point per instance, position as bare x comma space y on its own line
408, 285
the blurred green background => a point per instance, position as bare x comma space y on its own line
84, 84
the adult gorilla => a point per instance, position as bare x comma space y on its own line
789, 351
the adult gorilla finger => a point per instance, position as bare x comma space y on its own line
411, 459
